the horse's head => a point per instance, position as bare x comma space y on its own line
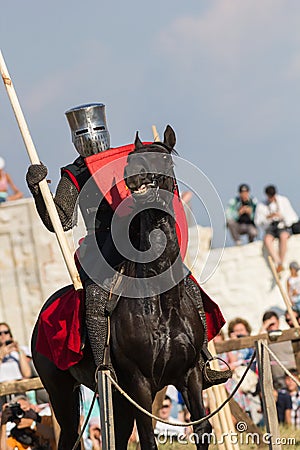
149, 169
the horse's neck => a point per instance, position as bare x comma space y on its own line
157, 229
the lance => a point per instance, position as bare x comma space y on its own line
43, 185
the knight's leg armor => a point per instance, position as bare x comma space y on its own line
211, 376
96, 320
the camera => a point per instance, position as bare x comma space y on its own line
9, 341
16, 411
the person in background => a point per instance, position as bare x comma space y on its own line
31, 430
294, 391
283, 350
165, 414
93, 440
240, 215
276, 215
13, 361
283, 406
293, 284
6, 184
238, 360
288, 318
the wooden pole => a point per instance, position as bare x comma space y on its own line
283, 293
266, 384
215, 420
221, 396
33, 156
155, 134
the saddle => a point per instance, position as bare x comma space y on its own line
61, 326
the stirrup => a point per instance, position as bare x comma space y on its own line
213, 377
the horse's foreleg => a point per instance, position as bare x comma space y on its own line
123, 420
141, 393
192, 395
65, 401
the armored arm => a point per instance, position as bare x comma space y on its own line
65, 197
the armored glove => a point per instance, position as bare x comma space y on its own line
35, 174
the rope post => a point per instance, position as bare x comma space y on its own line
106, 410
266, 384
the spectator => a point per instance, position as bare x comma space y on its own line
283, 405
238, 360
293, 284
283, 350
165, 414
31, 430
13, 361
238, 328
276, 215
93, 440
7, 183
293, 390
240, 215
86, 399
288, 318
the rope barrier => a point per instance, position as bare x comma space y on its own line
183, 424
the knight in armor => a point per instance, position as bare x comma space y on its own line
90, 136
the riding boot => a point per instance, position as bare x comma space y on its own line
97, 324
210, 376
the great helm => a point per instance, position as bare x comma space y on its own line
88, 128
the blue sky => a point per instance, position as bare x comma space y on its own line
224, 74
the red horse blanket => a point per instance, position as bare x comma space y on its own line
60, 327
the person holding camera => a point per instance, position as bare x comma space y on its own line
240, 213
276, 215
31, 431
14, 364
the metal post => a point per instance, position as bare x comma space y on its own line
106, 411
266, 383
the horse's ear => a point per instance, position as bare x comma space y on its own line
169, 137
137, 143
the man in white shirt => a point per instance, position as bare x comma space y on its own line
276, 215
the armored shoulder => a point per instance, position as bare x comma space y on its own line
77, 172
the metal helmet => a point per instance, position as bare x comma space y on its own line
88, 128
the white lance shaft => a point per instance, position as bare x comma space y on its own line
47, 196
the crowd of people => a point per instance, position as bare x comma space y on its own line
285, 382
26, 420
275, 215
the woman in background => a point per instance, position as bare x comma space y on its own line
7, 183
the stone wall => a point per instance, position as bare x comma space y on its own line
32, 268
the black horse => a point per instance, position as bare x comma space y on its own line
156, 337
